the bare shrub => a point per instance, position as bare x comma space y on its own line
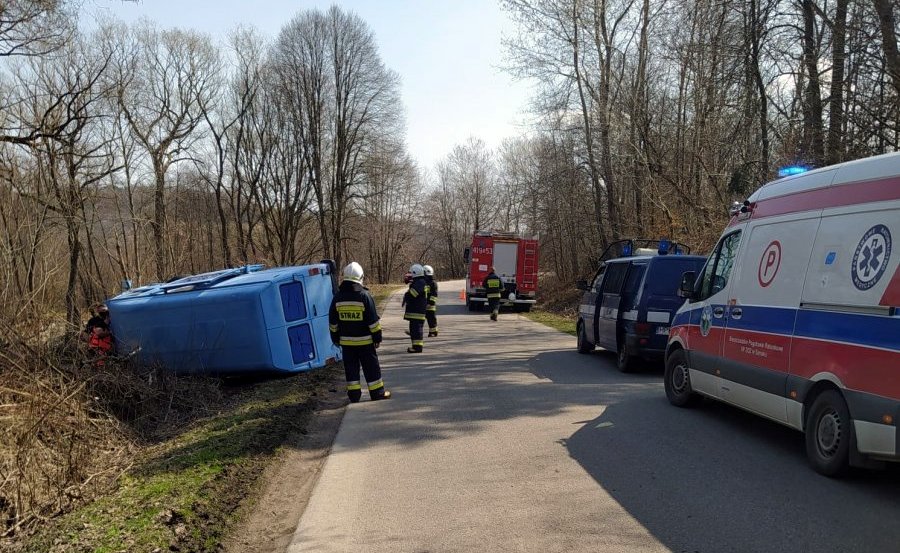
70, 424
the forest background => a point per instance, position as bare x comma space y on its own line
136, 152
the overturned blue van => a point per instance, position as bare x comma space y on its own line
234, 321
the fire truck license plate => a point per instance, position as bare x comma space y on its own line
664, 330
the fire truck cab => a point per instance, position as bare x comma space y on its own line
514, 258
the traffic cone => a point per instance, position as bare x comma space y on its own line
462, 294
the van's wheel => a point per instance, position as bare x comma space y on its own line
828, 434
474, 305
624, 360
584, 346
677, 380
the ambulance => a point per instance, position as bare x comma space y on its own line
796, 314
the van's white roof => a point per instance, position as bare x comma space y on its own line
870, 168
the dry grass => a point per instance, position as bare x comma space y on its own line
71, 426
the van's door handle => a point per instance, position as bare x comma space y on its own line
736, 312
718, 312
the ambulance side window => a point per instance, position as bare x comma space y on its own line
718, 267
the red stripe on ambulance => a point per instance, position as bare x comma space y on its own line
851, 193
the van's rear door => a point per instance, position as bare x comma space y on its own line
610, 297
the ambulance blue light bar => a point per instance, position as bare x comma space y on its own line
792, 170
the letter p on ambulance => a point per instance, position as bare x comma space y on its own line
769, 263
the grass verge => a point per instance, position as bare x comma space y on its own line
182, 494
563, 323
381, 292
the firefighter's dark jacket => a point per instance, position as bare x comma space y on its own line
432, 293
352, 318
493, 285
416, 299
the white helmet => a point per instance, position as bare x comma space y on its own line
417, 270
429, 270
353, 272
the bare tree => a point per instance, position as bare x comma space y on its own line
72, 161
168, 80
329, 66
391, 208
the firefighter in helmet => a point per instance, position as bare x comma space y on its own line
431, 309
416, 301
354, 325
494, 287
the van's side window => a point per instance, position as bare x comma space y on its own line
718, 267
615, 277
598, 280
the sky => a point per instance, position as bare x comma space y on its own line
448, 54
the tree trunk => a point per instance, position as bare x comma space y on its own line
888, 24
835, 151
159, 216
812, 98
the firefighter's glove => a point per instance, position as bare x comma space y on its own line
377, 345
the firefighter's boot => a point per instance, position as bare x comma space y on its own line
432, 333
385, 395
414, 349
494, 316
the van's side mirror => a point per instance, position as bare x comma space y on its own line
686, 290
466, 255
582, 285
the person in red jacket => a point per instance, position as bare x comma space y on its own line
98, 334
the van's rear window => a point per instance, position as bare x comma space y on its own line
665, 278
632, 283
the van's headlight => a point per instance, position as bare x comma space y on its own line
512, 296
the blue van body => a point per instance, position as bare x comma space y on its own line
232, 321
629, 305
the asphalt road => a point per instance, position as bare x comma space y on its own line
500, 437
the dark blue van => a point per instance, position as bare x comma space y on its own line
628, 306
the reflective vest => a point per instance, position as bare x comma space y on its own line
352, 317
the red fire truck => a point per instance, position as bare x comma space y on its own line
514, 258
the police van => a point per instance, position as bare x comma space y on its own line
628, 306
796, 314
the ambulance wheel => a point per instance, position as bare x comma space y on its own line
678, 381
829, 434
625, 362
584, 346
